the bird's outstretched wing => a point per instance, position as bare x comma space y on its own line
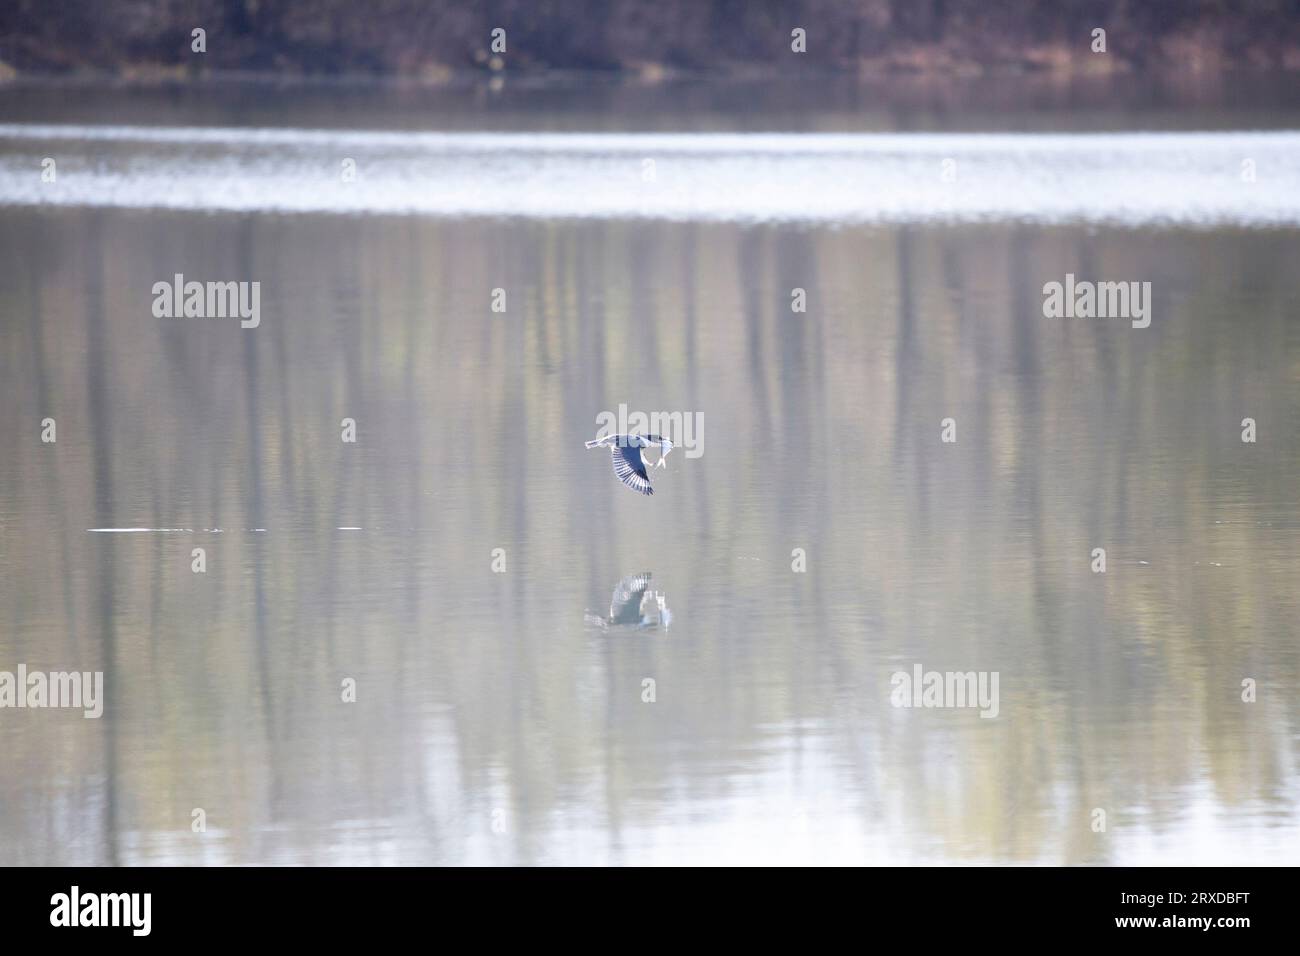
625, 605
628, 468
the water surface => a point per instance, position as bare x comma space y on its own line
494, 723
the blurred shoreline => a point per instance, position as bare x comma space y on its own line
446, 43
927, 68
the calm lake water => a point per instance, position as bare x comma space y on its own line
495, 721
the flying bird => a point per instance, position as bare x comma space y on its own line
630, 464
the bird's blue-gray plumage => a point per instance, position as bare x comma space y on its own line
630, 468
630, 465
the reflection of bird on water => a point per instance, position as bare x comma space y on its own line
630, 464
632, 606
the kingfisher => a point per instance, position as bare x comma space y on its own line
630, 464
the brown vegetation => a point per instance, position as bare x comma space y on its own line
434, 41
